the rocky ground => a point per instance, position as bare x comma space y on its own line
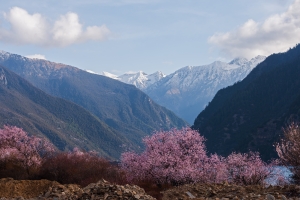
44, 189
228, 192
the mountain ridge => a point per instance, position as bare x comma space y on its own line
139, 79
188, 90
178, 91
64, 123
122, 107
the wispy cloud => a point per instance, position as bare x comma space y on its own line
37, 56
34, 29
276, 34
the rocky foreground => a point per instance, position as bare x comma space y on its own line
44, 189
229, 192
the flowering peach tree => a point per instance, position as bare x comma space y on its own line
179, 156
27, 150
248, 169
288, 150
175, 156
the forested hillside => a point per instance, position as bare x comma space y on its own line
250, 114
64, 123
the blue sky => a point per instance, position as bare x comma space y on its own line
118, 36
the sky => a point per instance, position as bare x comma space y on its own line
120, 36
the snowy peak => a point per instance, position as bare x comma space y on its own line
109, 75
140, 79
152, 78
244, 62
4, 54
255, 61
188, 90
238, 61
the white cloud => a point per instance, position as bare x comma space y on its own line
34, 29
37, 56
276, 34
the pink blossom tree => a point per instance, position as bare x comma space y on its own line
248, 169
288, 150
175, 156
179, 156
27, 150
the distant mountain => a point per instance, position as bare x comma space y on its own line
139, 79
188, 90
250, 114
122, 107
64, 123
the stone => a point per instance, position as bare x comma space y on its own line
283, 197
270, 197
190, 195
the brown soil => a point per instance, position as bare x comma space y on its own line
10, 188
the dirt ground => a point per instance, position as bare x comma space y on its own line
12, 189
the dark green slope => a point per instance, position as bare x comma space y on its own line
124, 108
250, 114
66, 124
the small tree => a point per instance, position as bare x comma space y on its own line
248, 169
175, 156
28, 151
288, 150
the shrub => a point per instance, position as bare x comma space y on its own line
288, 150
79, 167
10, 167
248, 169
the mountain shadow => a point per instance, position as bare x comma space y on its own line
250, 114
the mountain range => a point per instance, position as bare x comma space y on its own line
139, 79
188, 90
126, 110
250, 114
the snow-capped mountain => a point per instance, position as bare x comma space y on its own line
140, 79
188, 90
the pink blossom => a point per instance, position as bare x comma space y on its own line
175, 156
28, 150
